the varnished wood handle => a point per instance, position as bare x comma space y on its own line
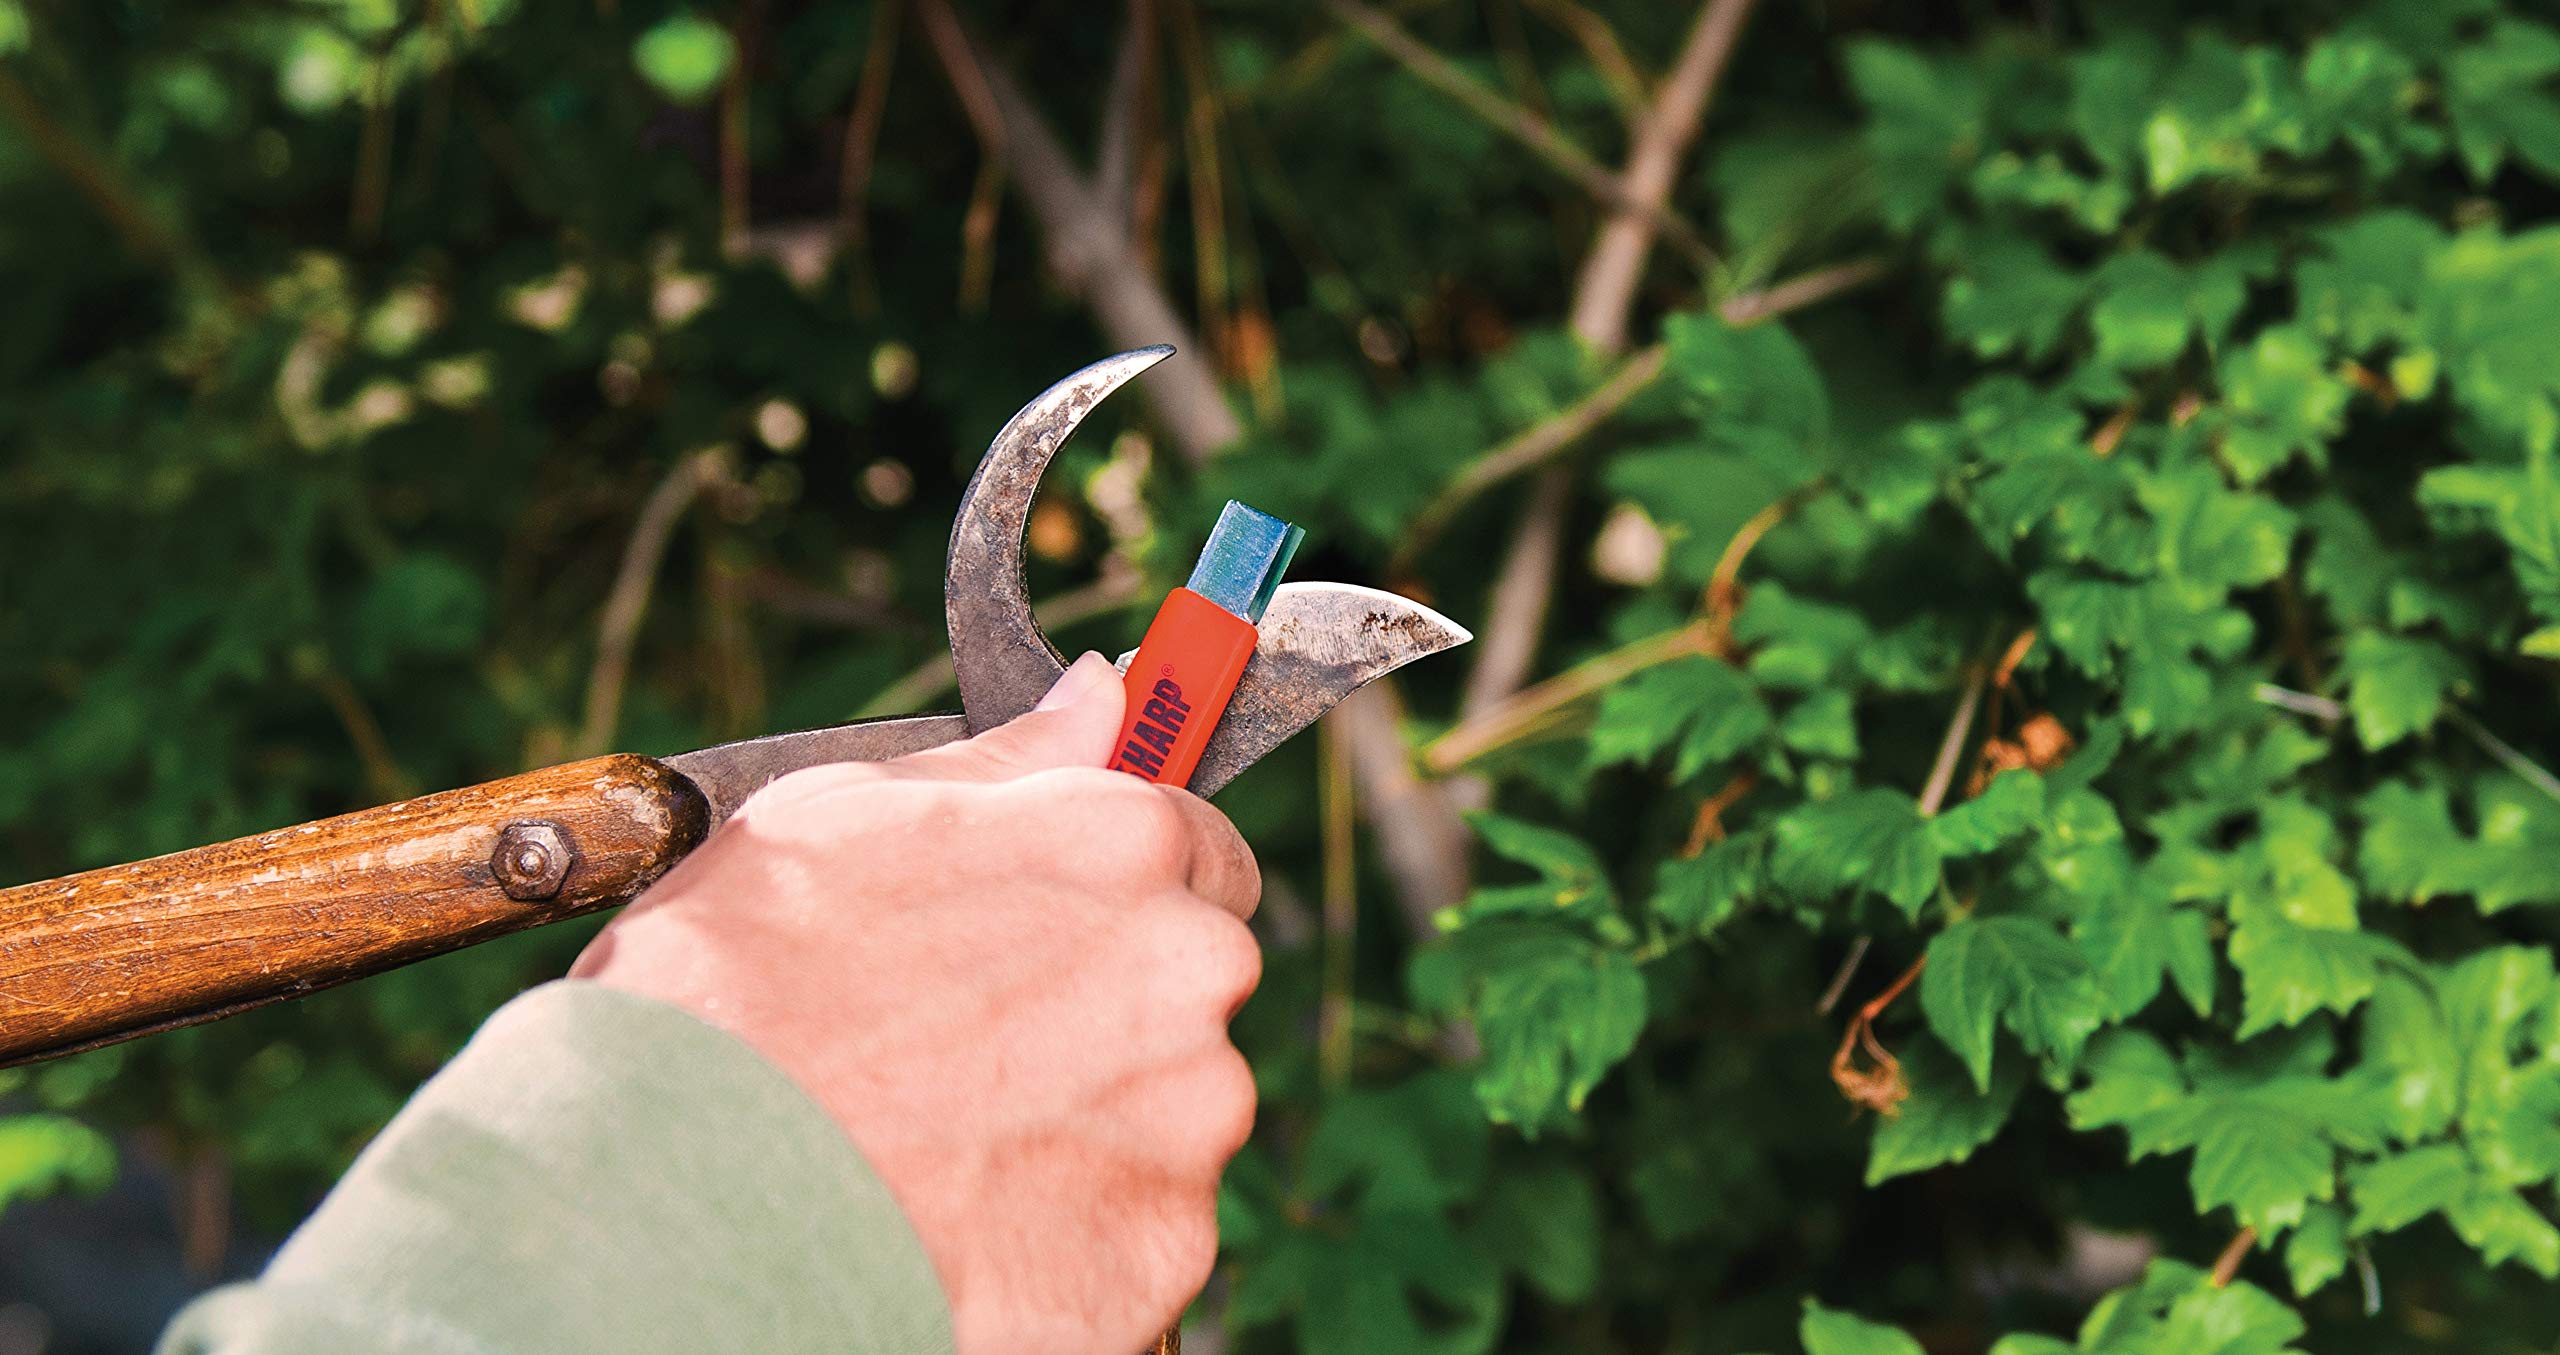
119, 952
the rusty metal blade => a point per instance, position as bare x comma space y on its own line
1320, 643
1002, 660
730, 772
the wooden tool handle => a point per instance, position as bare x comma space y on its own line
119, 952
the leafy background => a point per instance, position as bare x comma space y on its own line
2003, 783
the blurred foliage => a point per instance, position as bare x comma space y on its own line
2127, 615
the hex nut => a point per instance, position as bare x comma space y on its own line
532, 860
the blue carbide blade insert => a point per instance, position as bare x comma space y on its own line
1240, 568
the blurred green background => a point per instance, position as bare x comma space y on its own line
2013, 546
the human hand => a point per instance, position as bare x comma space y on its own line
1007, 972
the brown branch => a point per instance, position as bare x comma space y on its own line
1600, 46
1708, 826
1538, 136
90, 174
1341, 904
1531, 447
384, 778
862, 145
1132, 70
1421, 845
1117, 588
1604, 294
1942, 773
1562, 431
618, 624
2227, 1265
1086, 240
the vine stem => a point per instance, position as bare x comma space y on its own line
618, 623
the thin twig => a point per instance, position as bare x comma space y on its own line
1611, 272
1840, 981
1086, 240
862, 146
384, 778
1534, 133
1117, 588
2227, 1265
1341, 906
2507, 754
1115, 155
1942, 773
618, 624
1421, 846
1526, 710
1562, 431
90, 174
1533, 446
1708, 824
1600, 46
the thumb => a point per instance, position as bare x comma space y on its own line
1074, 725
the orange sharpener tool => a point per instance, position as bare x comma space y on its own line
1199, 643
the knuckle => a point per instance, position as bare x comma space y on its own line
1228, 1107
1152, 829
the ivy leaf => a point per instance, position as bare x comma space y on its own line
1873, 838
1944, 1119
2396, 684
2013, 971
1827, 1331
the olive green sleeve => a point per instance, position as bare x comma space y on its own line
595, 1174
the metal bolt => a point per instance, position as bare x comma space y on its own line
532, 859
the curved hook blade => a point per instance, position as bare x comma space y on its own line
1320, 642
1002, 660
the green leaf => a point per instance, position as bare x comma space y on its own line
1705, 708
1543, 1223
2013, 971
2316, 1252
1420, 1144
2011, 804
2285, 404
2288, 971
685, 56
1699, 894
1873, 839
1827, 1331
2397, 1191
1555, 1012
2396, 684
42, 1154
1944, 1119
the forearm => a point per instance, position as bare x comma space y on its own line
595, 1172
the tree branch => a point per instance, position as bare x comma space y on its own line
1086, 241
618, 624
1534, 133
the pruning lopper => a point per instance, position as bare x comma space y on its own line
114, 953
